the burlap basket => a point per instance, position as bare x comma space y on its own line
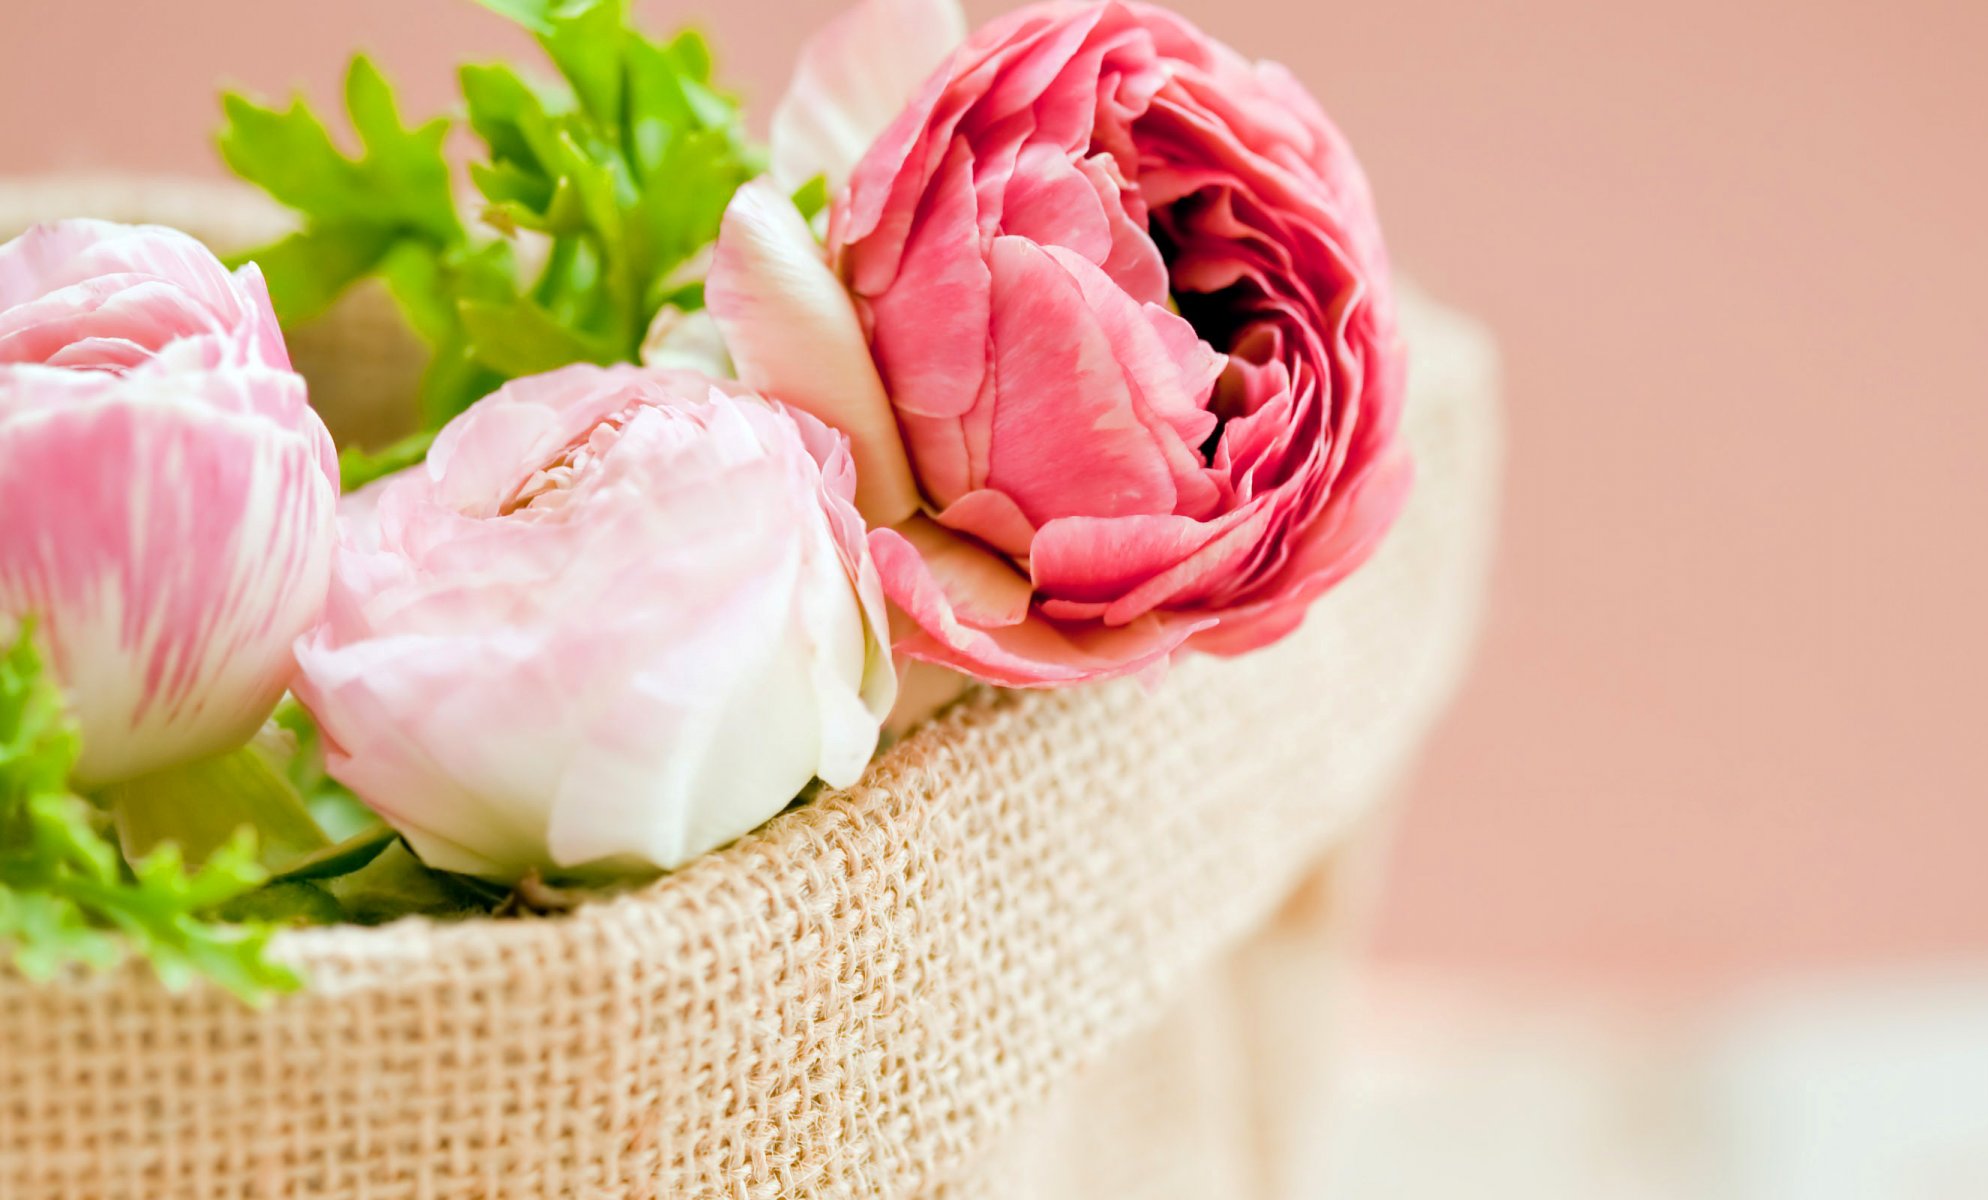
1079, 944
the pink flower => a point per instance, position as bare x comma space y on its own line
620, 617
167, 495
1128, 300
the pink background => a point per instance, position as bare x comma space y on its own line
1729, 717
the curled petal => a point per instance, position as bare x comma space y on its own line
981, 587
1036, 652
1347, 537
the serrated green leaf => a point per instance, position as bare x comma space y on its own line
405, 165
676, 222
38, 745
49, 932
620, 169
502, 106
289, 154
520, 195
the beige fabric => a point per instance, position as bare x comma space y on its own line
1048, 948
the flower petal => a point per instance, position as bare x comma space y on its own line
982, 588
1347, 537
1036, 652
852, 80
173, 546
1067, 438
794, 335
687, 341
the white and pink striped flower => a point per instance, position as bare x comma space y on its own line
167, 495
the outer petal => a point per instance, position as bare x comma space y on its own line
687, 341
794, 335
382, 704
174, 546
852, 80
848, 750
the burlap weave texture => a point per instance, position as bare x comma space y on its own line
961, 978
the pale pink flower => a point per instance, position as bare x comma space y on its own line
621, 616
1127, 299
166, 493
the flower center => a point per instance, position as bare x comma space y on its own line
551, 486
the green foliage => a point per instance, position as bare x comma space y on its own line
67, 897
358, 466
619, 172
366, 873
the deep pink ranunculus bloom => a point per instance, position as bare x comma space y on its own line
167, 496
1127, 295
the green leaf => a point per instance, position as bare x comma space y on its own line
284, 902
421, 284
618, 170
584, 39
358, 467
508, 113
405, 163
355, 834
692, 56
535, 15
355, 209
811, 197
521, 338
49, 932
202, 805
288, 154
310, 269
396, 885
341, 859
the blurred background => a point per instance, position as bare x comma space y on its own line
1692, 897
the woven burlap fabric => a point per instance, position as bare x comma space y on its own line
1054, 945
